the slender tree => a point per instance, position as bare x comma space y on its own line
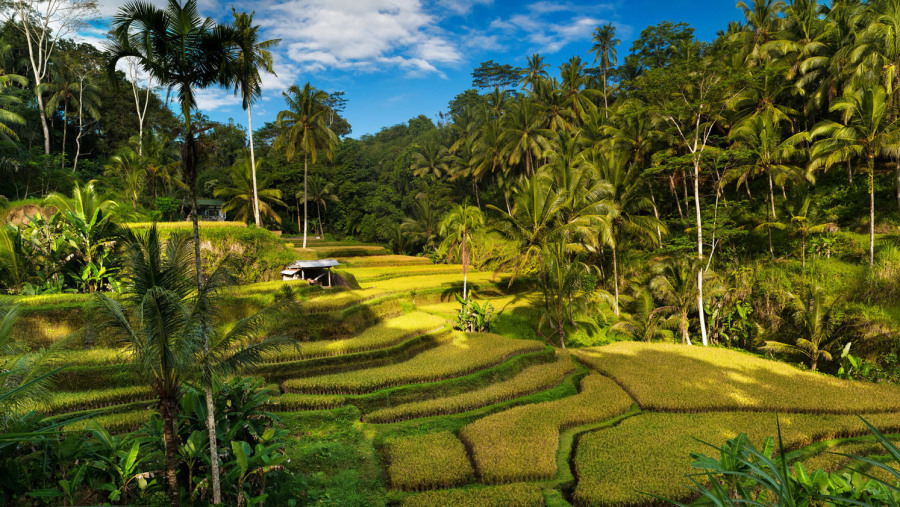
306, 131
254, 56
458, 228
604, 50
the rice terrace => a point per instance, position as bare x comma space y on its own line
656, 264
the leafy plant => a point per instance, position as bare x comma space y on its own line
474, 317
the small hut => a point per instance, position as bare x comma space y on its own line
315, 272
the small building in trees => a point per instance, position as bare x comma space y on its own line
315, 272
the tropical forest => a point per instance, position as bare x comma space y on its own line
665, 271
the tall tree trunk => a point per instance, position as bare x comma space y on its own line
683, 324
319, 216
700, 308
465, 263
615, 277
675, 194
769, 232
772, 198
253, 167
605, 103
80, 125
305, 173
43, 116
477, 199
656, 215
65, 125
168, 414
871, 211
897, 178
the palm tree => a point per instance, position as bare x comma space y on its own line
534, 72
524, 137
760, 137
6, 116
642, 319
239, 194
182, 51
579, 97
321, 192
167, 324
867, 134
675, 285
458, 228
626, 203
816, 317
424, 223
565, 296
604, 50
307, 131
254, 56
431, 158
129, 166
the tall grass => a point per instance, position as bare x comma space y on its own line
432, 460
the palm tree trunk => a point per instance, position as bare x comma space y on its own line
700, 308
319, 216
305, 173
772, 198
897, 178
871, 211
477, 199
605, 103
465, 259
167, 409
656, 215
615, 277
253, 167
81, 126
65, 124
213, 443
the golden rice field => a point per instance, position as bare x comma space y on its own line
520, 444
608, 475
460, 354
428, 461
675, 378
508, 495
531, 379
433, 412
386, 333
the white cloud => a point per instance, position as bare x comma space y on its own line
364, 36
462, 6
210, 99
550, 26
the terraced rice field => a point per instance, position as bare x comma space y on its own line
460, 419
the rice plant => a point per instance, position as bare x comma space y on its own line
611, 472
518, 495
114, 423
60, 402
432, 460
459, 355
675, 378
520, 444
532, 379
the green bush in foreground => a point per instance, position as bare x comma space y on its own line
672, 377
460, 355
432, 460
530, 380
511, 495
610, 472
520, 443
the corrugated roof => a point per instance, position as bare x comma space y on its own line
321, 263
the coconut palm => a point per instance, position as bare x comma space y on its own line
458, 227
768, 154
238, 195
579, 97
524, 136
816, 318
307, 131
168, 327
674, 283
431, 158
62, 90
321, 192
424, 224
182, 51
867, 133
534, 72
254, 56
604, 50
7, 116
643, 320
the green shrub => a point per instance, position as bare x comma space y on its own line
432, 460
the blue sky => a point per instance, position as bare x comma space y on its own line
396, 59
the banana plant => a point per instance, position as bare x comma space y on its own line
249, 462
